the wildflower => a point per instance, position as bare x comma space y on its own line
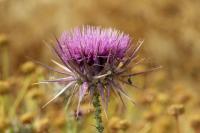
96, 61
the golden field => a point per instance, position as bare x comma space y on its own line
167, 101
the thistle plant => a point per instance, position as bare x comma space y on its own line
95, 61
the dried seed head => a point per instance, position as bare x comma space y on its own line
60, 121
41, 125
4, 123
148, 97
165, 125
35, 93
4, 87
163, 98
39, 71
183, 98
149, 116
195, 122
176, 109
114, 123
3, 40
28, 67
27, 118
124, 125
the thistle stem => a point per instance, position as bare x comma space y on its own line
97, 106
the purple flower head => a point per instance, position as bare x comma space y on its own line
95, 60
93, 45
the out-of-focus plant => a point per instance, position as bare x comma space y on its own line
4, 54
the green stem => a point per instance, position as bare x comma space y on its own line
97, 106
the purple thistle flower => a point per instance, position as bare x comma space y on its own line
95, 60
93, 44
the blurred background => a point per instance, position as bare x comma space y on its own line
168, 100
